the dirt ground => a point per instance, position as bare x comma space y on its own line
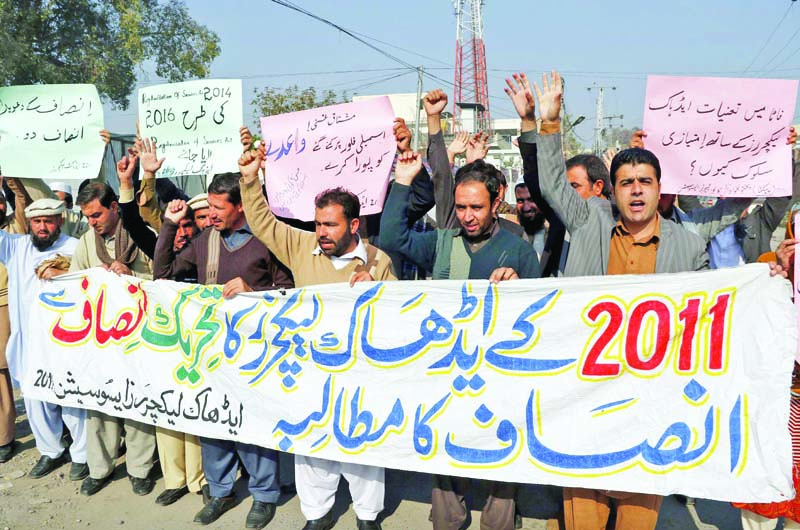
55, 503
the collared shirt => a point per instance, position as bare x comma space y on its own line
238, 237
477, 243
628, 256
725, 250
340, 262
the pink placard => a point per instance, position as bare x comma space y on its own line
349, 145
721, 137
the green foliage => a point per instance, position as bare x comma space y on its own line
271, 101
572, 145
101, 42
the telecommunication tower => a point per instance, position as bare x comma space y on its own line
471, 93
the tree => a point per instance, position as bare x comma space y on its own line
271, 101
101, 42
572, 145
617, 137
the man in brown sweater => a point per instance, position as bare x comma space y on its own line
229, 255
335, 253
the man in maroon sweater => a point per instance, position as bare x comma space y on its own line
227, 254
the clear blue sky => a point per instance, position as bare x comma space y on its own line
609, 43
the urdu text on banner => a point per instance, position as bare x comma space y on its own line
655, 384
195, 125
51, 132
349, 145
721, 137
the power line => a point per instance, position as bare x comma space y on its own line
294, 7
448, 65
377, 82
775, 29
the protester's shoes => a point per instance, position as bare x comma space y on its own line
46, 465
205, 491
78, 471
7, 451
325, 522
142, 486
367, 525
260, 514
90, 485
215, 507
167, 497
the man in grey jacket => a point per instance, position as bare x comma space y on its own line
637, 242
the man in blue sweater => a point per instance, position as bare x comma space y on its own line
478, 250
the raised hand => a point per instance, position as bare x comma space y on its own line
176, 210
408, 166
521, 96
250, 162
434, 102
148, 157
477, 147
105, 135
402, 135
246, 138
549, 97
125, 168
792, 140
458, 145
637, 139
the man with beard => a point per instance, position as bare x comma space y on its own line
531, 219
334, 253
478, 250
186, 231
22, 255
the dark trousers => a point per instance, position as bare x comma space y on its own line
220, 464
449, 510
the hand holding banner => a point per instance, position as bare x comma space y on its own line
721, 137
349, 145
654, 384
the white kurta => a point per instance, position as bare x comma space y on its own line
21, 258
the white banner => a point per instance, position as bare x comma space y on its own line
51, 132
654, 384
195, 125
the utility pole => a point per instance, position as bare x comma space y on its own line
419, 107
598, 127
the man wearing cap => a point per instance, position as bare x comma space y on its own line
29, 259
64, 193
199, 205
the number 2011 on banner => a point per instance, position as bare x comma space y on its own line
643, 336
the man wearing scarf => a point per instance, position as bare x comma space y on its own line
109, 245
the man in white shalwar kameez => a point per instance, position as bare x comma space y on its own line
22, 254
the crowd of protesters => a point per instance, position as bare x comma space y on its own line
579, 217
